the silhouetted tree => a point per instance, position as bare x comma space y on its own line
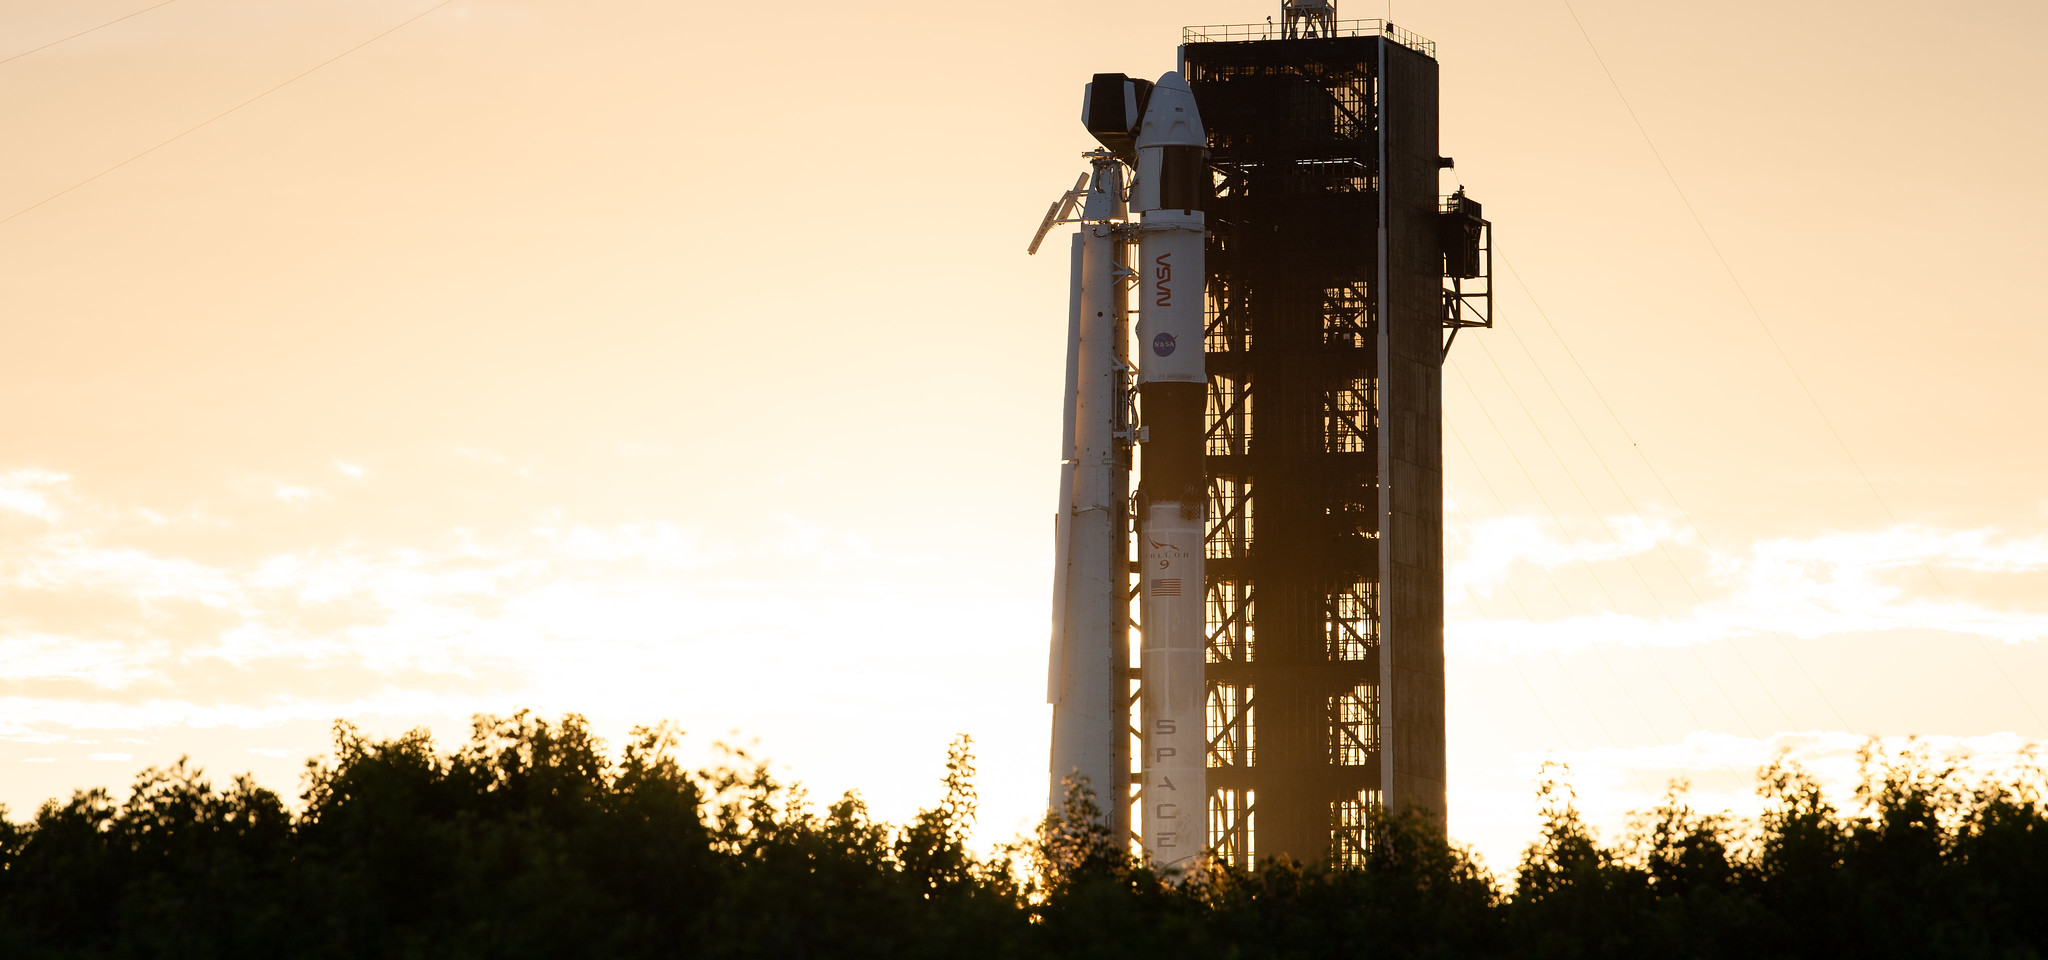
529, 840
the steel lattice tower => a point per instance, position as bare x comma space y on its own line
1328, 300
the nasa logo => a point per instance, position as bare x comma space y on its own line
1163, 344
1163, 273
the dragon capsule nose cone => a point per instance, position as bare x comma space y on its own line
1173, 169
1171, 119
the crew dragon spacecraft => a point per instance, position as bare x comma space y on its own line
1154, 129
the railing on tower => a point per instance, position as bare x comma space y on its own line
1240, 32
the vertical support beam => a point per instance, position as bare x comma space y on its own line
1412, 765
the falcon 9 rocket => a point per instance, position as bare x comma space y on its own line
1156, 129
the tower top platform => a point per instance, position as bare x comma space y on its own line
1243, 32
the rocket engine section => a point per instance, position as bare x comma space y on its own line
1168, 195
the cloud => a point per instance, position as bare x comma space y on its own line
29, 491
105, 624
294, 494
1515, 569
1496, 545
1721, 768
230, 624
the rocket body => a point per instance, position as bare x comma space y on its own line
1156, 128
1175, 793
1168, 196
1091, 640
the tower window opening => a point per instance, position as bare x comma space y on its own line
1231, 833
1350, 416
1229, 416
1229, 533
1353, 625
1351, 828
1346, 315
1230, 725
1232, 632
1355, 725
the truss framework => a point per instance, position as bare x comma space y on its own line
1301, 421
1292, 428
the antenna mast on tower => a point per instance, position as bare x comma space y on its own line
1303, 19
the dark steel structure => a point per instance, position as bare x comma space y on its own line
1335, 267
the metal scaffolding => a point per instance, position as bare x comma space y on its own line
1323, 285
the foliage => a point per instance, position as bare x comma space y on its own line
530, 840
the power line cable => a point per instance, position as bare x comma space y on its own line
208, 121
1645, 458
81, 33
1542, 435
1595, 386
1772, 337
1586, 437
1726, 267
1472, 596
1584, 701
1597, 650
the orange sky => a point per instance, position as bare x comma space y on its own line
630, 358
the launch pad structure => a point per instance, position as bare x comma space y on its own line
1325, 347
1337, 274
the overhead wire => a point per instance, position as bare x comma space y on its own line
1584, 701
1633, 445
1697, 597
1779, 348
1597, 650
81, 33
210, 120
1626, 557
1472, 597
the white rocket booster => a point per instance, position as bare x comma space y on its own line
1156, 129
1091, 645
1172, 186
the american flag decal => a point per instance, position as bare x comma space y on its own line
1166, 587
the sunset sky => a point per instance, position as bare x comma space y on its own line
672, 361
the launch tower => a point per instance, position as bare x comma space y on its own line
1334, 270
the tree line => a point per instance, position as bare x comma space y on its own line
530, 841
